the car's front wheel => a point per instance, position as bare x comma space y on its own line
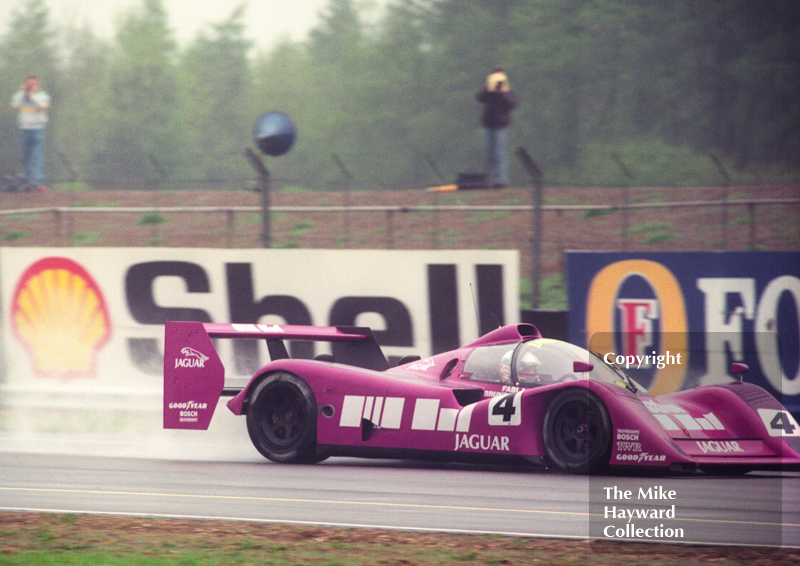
577, 432
282, 419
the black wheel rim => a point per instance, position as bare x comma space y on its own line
282, 417
577, 432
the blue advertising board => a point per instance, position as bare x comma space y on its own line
711, 308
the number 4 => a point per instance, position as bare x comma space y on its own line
505, 410
779, 423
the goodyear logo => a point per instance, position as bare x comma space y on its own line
59, 315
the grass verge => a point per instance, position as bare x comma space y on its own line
51, 539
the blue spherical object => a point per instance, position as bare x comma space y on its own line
274, 133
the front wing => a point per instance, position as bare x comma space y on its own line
737, 426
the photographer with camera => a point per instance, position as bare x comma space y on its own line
498, 101
32, 104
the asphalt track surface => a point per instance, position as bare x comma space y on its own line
756, 509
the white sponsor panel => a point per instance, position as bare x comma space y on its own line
667, 422
425, 414
381, 411
673, 417
665, 408
779, 422
257, 328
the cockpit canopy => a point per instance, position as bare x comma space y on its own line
538, 362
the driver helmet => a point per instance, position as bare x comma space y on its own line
527, 367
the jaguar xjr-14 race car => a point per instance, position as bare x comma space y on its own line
511, 395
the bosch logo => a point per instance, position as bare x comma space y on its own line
626, 434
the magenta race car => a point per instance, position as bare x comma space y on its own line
509, 396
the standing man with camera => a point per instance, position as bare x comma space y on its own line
498, 101
32, 103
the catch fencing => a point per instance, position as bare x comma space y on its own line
457, 220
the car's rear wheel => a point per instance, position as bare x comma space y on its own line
577, 432
282, 419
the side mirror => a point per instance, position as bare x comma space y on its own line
739, 369
582, 367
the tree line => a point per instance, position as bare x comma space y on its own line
610, 92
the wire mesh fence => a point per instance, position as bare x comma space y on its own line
598, 219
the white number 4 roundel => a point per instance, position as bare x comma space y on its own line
779, 422
505, 410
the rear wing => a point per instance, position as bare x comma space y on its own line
194, 377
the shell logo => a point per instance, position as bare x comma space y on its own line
59, 315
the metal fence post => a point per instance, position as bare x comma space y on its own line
390, 228
625, 198
231, 224
263, 186
725, 190
348, 185
537, 185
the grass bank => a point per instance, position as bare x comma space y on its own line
56, 540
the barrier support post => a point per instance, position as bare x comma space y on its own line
537, 188
263, 187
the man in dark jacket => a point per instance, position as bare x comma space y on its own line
498, 100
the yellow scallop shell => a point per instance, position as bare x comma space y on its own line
59, 315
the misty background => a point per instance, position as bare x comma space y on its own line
383, 93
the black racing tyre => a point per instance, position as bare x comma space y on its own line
577, 432
282, 419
